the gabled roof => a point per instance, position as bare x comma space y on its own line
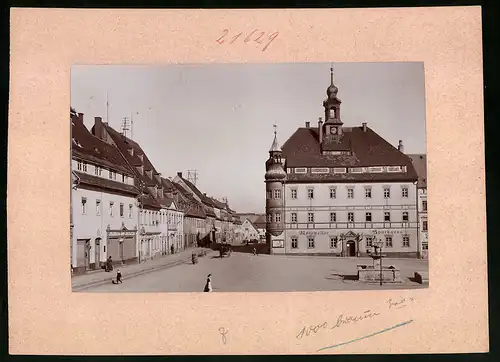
366, 149
204, 198
124, 144
195, 208
86, 147
251, 223
260, 223
420, 163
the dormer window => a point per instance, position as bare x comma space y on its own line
141, 157
150, 174
131, 151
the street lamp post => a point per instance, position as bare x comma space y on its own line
377, 244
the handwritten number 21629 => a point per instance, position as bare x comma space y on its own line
258, 37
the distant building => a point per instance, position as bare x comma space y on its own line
249, 231
332, 189
420, 164
104, 202
261, 224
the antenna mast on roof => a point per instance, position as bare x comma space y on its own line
193, 176
107, 109
125, 126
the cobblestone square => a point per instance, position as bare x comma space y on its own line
243, 272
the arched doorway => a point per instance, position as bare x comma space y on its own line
351, 248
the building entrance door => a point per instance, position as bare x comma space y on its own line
120, 249
97, 253
351, 248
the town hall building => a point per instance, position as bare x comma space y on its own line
333, 189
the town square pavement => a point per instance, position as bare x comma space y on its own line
263, 273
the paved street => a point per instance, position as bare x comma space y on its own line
263, 273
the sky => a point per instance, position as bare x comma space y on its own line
218, 118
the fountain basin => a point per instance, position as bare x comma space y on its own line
371, 274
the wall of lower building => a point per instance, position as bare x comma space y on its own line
91, 224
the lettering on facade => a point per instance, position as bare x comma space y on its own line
320, 170
313, 233
122, 234
392, 232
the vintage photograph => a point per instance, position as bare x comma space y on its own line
248, 177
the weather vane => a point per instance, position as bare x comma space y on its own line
275, 126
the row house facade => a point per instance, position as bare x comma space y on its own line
333, 189
158, 211
104, 202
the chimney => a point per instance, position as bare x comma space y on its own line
308, 124
364, 126
80, 116
401, 147
179, 174
320, 130
98, 128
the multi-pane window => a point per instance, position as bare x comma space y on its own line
277, 194
84, 169
333, 242
333, 217
310, 217
295, 242
310, 193
84, 205
277, 217
98, 171
269, 218
111, 203
424, 205
121, 210
98, 207
79, 165
368, 193
294, 217
130, 211
406, 241
310, 243
269, 194
425, 246
405, 215
350, 217
388, 241
387, 192
350, 193
124, 179
368, 216
294, 193
369, 241
424, 225
387, 216
404, 192
333, 193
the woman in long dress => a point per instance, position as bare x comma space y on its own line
208, 285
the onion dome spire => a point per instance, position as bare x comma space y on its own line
332, 90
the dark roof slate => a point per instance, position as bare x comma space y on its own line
420, 163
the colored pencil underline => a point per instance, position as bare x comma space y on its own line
368, 336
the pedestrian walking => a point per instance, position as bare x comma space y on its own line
254, 251
118, 277
172, 249
208, 285
109, 264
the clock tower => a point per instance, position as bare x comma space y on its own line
332, 128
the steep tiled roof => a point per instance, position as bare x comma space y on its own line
253, 225
195, 209
260, 223
367, 149
205, 199
124, 144
420, 164
89, 148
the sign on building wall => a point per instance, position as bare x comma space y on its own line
278, 244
